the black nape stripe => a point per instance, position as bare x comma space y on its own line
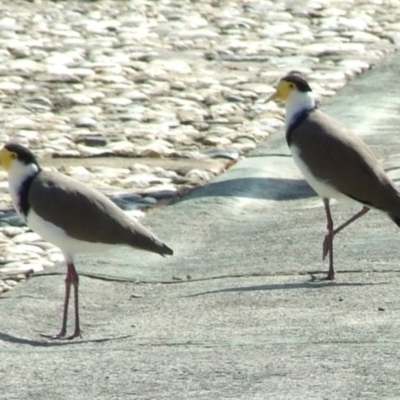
298, 120
23, 194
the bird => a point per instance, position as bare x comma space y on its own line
336, 162
72, 216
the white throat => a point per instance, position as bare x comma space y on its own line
296, 103
17, 174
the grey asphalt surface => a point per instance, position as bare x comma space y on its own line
234, 314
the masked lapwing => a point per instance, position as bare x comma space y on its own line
70, 215
335, 162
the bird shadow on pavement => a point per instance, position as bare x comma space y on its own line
5, 337
256, 188
286, 286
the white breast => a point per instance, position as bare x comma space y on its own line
57, 236
323, 188
14, 188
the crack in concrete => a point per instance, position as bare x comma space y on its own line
218, 277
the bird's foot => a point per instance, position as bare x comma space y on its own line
61, 335
76, 334
329, 277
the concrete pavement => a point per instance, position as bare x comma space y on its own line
233, 315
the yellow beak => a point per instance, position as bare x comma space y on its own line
274, 96
5, 158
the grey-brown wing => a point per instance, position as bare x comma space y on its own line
341, 158
85, 214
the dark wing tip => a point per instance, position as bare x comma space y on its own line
166, 250
395, 219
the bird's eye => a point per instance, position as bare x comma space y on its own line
13, 156
291, 85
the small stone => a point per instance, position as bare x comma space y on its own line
178, 85
26, 237
227, 110
136, 96
363, 37
244, 147
79, 98
28, 135
10, 283
64, 59
80, 173
117, 101
9, 87
148, 201
140, 180
162, 193
94, 140
88, 151
233, 97
135, 214
11, 231
190, 115
356, 65
22, 123
19, 49
216, 141
58, 77
85, 122
197, 175
197, 97
231, 154
111, 78
124, 198
141, 168
333, 49
155, 150
122, 147
82, 72
56, 257
38, 100
8, 23
109, 172
25, 248
44, 245
173, 65
198, 34
15, 220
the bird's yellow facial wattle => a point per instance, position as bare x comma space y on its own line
283, 90
6, 158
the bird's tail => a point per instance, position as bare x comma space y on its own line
393, 209
156, 246
165, 250
395, 219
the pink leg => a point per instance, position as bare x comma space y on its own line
329, 239
325, 245
63, 330
71, 279
75, 284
